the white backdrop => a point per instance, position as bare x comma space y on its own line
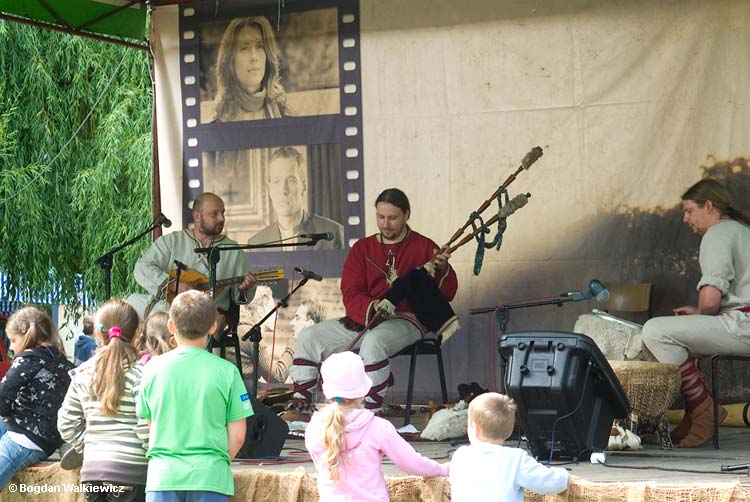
628, 99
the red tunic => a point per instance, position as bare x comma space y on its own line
364, 277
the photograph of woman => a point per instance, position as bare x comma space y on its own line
248, 82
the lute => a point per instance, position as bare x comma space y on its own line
199, 281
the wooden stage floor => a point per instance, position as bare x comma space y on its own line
649, 464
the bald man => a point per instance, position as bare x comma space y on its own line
152, 270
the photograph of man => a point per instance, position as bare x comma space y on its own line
275, 356
308, 313
287, 188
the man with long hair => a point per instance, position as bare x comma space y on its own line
720, 323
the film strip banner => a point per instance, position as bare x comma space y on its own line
271, 107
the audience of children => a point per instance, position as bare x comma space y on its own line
347, 442
488, 470
196, 405
31, 392
192, 407
98, 415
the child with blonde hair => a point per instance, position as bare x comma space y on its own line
31, 392
155, 339
347, 442
488, 470
196, 406
98, 415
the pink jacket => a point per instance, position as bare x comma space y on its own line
368, 438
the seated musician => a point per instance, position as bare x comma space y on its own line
372, 265
152, 271
720, 323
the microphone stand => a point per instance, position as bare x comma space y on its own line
503, 311
213, 254
255, 336
106, 260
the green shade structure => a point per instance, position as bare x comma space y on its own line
118, 21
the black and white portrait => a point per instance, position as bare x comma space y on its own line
255, 68
273, 194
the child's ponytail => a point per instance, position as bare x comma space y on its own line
118, 324
335, 436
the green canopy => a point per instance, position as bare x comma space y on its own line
117, 21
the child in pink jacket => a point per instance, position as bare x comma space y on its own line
347, 442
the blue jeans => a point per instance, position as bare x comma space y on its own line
14, 457
180, 496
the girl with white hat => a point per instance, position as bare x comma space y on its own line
347, 442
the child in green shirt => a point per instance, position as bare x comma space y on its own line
196, 405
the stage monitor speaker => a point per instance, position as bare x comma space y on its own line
553, 374
265, 434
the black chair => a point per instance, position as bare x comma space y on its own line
228, 335
428, 345
715, 386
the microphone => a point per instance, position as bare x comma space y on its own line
325, 236
597, 290
734, 467
163, 221
180, 265
307, 274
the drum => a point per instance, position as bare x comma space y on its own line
618, 339
651, 387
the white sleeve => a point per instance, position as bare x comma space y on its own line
539, 478
153, 268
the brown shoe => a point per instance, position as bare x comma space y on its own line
681, 431
702, 424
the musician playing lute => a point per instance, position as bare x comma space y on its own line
152, 270
373, 265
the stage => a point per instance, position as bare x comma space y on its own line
650, 474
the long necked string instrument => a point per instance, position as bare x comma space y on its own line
419, 288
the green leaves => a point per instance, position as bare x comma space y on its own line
57, 217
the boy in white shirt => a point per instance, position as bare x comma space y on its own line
487, 470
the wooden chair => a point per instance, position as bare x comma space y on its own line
633, 298
715, 386
428, 345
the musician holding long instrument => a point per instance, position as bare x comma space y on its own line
156, 270
373, 265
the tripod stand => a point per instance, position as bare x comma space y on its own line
213, 256
255, 336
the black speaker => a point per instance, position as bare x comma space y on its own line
566, 392
265, 434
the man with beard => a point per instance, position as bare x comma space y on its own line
152, 270
372, 265
287, 188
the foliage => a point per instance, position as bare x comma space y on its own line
57, 217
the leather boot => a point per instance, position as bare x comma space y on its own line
702, 424
681, 431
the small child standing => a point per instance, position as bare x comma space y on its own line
31, 392
487, 470
347, 442
98, 415
196, 405
156, 338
